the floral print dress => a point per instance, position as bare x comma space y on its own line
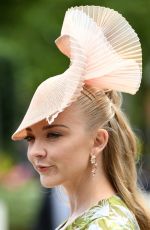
111, 213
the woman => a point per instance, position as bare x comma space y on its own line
78, 136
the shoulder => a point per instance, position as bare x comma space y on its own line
108, 214
117, 223
113, 214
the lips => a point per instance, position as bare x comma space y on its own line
43, 168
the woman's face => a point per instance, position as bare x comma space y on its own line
60, 152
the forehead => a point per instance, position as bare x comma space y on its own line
71, 114
71, 117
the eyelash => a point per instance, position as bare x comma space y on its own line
29, 138
53, 135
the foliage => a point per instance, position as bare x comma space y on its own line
28, 56
23, 204
28, 31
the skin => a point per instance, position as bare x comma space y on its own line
67, 146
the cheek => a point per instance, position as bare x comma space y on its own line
71, 154
29, 157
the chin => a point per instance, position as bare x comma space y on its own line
49, 183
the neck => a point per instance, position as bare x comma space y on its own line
87, 191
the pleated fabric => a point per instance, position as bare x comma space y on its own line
104, 51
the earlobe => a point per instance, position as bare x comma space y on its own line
100, 141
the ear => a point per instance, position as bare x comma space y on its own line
100, 141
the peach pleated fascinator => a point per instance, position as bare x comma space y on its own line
104, 52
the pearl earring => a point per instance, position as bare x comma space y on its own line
94, 164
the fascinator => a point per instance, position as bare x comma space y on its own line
104, 52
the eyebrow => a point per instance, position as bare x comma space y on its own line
49, 127
29, 129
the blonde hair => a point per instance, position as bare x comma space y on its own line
103, 109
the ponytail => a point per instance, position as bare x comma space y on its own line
119, 160
103, 109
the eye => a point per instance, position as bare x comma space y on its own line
29, 138
54, 135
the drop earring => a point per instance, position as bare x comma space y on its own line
94, 164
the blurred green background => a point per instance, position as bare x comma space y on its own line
28, 56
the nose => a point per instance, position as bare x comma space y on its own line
37, 150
